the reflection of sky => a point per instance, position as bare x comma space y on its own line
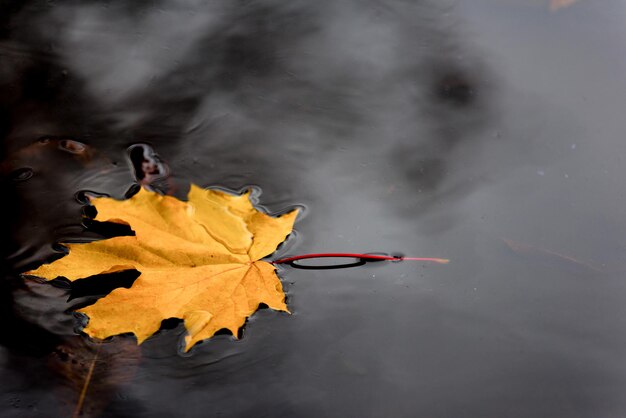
343, 120
564, 72
260, 94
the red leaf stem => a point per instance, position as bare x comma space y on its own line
367, 257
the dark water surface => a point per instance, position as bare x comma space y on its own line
489, 132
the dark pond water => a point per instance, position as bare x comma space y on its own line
490, 132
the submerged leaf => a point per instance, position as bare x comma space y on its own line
199, 261
92, 373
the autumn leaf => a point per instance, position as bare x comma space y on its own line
199, 261
556, 5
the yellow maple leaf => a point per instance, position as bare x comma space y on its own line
199, 261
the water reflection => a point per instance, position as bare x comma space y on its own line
392, 125
235, 94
